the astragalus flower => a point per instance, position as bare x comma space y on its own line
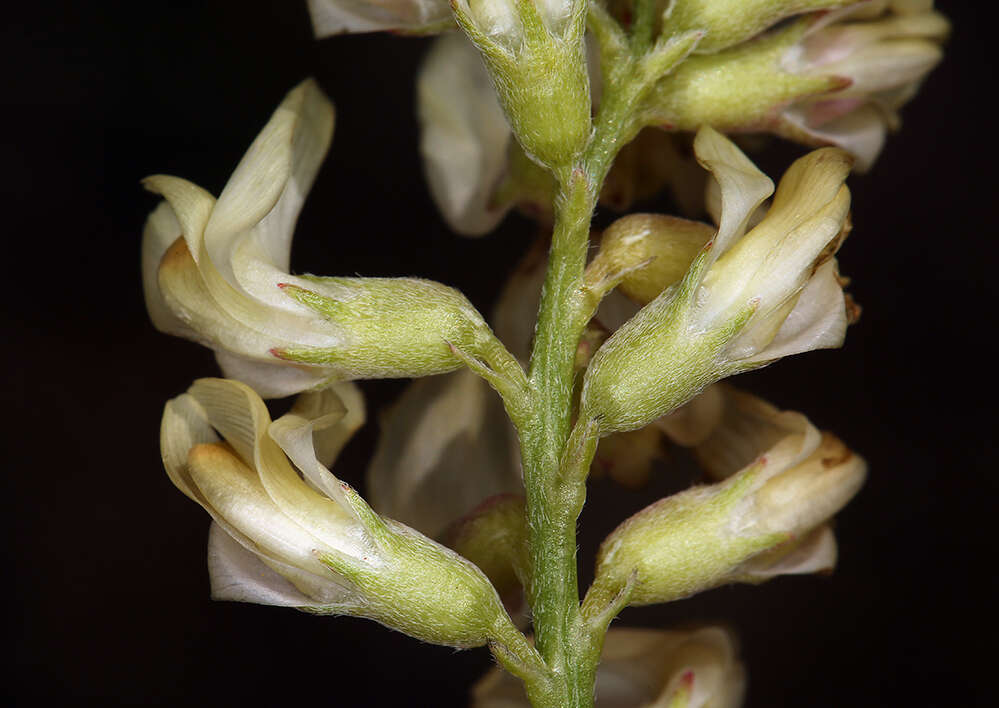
217, 272
883, 51
643, 668
746, 300
331, 17
836, 78
769, 518
287, 532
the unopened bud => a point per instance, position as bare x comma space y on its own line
536, 57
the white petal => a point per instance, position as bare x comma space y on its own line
299, 130
269, 380
818, 320
338, 16
444, 448
238, 575
860, 132
464, 135
814, 554
693, 422
310, 117
296, 432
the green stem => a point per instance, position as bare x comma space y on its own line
552, 507
555, 466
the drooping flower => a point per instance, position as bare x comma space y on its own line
836, 78
767, 518
645, 667
882, 51
746, 300
287, 532
216, 271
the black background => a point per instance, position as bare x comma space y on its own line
110, 595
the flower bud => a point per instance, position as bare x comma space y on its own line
217, 272
746, 300
645, 667
290, 533
738, 530
535, 54
738, 90
730, 22
494, 537
645, 254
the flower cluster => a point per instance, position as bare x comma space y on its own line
474, 496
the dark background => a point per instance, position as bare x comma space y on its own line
110, 594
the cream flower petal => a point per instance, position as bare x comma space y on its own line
330, 433
743, 187
241, 417
861, 132
464, 135
694, 421
517, 307
184, 425
316, 417
191, 204
331, 17
235, 493
161, 231
278, 170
